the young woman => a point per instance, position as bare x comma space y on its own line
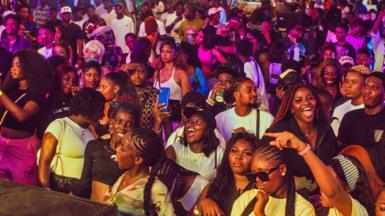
61, 48
137, 191
200, 151
115, 88
345, 175
22, 99
193, 68
172, 76
172, 73
231, 180
99, 169
207, 53
301, 113
91, 75
275, 193
66, 84
330, 75
62, 151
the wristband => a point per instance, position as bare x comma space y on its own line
305, 150
210, 102
1, 93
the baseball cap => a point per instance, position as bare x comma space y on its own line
213, 11
193, 97
346, 59
204, 113
66, 9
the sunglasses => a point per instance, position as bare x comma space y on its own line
263, 176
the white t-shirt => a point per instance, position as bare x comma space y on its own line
228, 120
254, 72
46, 52
121, 27
72, 141
161, 29
274, 206
339, 113
178, 133
357, 210
198, 162
108, 17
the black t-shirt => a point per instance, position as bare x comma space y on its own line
30, 125
98, 166
359, 128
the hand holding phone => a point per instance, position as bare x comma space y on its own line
164, 97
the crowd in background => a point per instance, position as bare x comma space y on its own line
209, 107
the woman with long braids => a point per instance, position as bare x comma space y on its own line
173, 76
138, 191
100, 170
275, 193
343, 184
22, 101
301, 113
231, 180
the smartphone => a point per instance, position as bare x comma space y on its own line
164, 97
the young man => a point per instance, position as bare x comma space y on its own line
244, 116
11, 39
72, 33
354, 88
343, 48
191, 25
226, 76
109, 13
46, 39
121, 26
366, 126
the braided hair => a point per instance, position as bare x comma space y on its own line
362, 191
149, 146
272, 153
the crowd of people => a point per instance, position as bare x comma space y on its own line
171, 107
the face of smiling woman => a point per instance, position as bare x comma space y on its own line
304, 105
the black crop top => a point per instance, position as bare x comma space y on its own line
31, 124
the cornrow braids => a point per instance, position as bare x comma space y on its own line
272, 153
149, 146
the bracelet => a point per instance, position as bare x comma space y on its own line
210, 101
305, 150
1, 93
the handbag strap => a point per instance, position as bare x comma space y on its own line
6, 111
250, 207
58, 148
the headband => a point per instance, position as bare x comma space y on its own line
350, 171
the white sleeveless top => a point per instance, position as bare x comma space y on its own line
198, 162
175, 90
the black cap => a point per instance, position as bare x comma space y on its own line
289, 78
204, 113
195, 98
233, 70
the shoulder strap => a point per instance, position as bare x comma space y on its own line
6, 111
258, 119
250, 207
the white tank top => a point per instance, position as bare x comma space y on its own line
175, 90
